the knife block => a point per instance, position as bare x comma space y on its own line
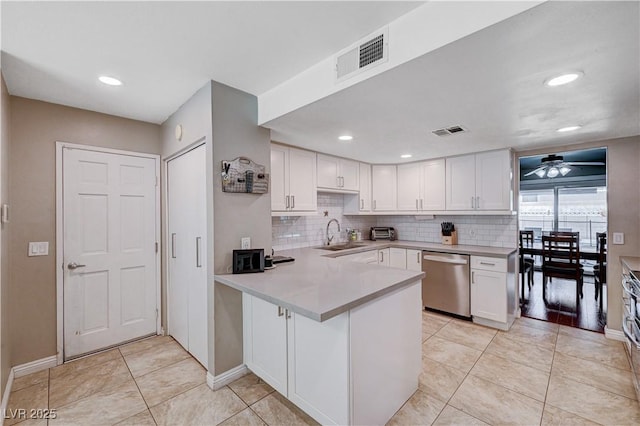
450, 239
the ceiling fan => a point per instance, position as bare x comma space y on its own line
554, 165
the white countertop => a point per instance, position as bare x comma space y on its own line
319, 287
632, 263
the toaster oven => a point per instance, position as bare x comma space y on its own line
382, 233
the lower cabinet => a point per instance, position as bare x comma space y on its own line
398, 258
414, 260
384, 257
326, 368
493, 290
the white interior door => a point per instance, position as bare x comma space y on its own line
187, 226
110, 270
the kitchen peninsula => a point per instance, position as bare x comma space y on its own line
341, 340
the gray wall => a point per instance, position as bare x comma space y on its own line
623, 192
5, 118
235, 134
35, 128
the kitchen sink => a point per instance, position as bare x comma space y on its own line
344, 246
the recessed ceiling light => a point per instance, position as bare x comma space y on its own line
111, 81
406, 156
563, 79
568, 129
345, 137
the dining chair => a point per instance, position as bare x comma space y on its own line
526, 262
600, 268
561, 259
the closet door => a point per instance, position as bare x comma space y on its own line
187, 226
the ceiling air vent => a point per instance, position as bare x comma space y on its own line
446, 131
367, 53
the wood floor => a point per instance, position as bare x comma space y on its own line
561, 304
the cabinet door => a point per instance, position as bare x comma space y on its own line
365, 187
409, 187
349, 175
328, 172
398, 258
279, 177
265, 341
383, 183
302, 180
460, 182
433, 185
493, 180
383, 257
489, 295
414, 260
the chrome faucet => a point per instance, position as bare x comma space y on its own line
330, 238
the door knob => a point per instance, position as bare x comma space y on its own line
74, 265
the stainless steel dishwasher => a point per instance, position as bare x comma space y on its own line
445, 286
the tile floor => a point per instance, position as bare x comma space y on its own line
536, 374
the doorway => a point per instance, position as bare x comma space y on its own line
565, 192
107, 248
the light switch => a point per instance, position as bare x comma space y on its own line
39, 248
618, 238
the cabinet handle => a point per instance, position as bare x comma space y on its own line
280, 311
173, 246
361, 204
487, 263
288, 314
417, 204
472, 199
420, 203
286, 202
374, 204
341, 182
381, 257
198, 247
473, 281
293, 201
418, 257
477, 202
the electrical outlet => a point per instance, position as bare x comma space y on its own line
618, 238
245, 243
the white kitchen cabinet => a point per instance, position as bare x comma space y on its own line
293, 180
338, 174
479, 181
365, 187
398, 258
414, 260
421, 186
265, 328
384, 257
384, 188
326, 368
493, 289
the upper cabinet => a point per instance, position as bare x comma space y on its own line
479, 182
337, 174
365, 187
421, 186
384, 188
293, 180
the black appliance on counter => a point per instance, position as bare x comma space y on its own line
248, 261
382, 233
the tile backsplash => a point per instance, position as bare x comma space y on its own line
308, 231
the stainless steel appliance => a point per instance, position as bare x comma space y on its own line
382, 233
631, 323
445, 286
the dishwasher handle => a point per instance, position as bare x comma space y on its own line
441, 259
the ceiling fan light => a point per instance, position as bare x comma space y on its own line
541, 173
564, 170
553, 172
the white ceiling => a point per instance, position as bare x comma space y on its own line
165, 51
490, 82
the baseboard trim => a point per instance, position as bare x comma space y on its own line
5, 396
35, 366
614, 334
221, 380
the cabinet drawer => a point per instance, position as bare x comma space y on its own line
489, 263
